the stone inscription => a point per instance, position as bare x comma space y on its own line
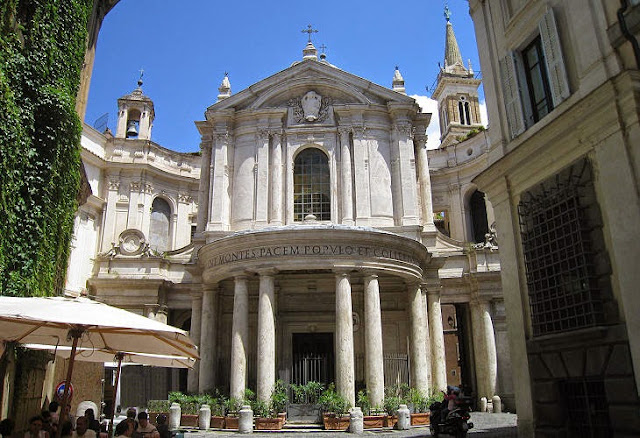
310, 251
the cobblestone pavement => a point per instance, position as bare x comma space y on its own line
485, 425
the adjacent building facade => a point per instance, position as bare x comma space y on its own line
313, 237
562, 176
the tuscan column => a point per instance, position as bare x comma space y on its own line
239, 337
427, 340
418, 348
194, 334
345, 368
425, 182
207, 370
276, 180
373, 340
484, 346
347, 179
266, 336
438, 363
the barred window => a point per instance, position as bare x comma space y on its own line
557, 227
311, 185
587, 408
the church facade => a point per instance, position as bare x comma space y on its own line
314, 237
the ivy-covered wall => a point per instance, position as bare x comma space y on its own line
42, 45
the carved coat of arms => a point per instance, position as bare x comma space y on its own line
310, 108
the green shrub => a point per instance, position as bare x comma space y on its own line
362, 400
158, 405
279, 397
260, 409
332, 402
391, 404
313, 391
298, 392
232, 406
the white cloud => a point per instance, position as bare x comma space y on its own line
429, 105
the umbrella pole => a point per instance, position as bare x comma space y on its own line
119, 356
75, 334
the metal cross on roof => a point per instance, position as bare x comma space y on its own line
447, 13
309, 30
323, 48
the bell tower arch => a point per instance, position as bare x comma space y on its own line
135, 115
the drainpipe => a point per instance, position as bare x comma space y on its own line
624, 4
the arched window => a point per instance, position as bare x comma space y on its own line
311, 186
461, 112
478, 216
467, 113
160, 225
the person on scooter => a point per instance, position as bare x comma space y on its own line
450, 396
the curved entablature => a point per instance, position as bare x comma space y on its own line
317, 247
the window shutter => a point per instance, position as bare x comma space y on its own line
512, 102
553, 58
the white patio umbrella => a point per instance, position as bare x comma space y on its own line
65, 322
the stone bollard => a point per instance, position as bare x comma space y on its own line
204, 417
497, 404
356, 423
404, 418
174, 416
245, 420
482, 407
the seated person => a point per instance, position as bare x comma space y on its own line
92, 423
146, 429
451, 396
6, 427
35, 428
82, 429
124, 429
163, 427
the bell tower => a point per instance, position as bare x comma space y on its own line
456, 93
135, 115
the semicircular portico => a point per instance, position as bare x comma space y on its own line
301, 247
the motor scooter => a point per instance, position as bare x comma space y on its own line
456, 422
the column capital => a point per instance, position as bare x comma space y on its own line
267, 272
209, 287
195, 293
244, 276
368, 272
342, 272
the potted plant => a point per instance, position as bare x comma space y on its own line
189, 408
391, 404
264, 417
217, 412
232, 407
279, 400
335, 408
304, 405
372, 417
419, 408
156, 407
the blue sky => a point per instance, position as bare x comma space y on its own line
186, 46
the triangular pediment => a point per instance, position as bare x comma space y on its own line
341, 87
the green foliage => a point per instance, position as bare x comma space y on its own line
260, 408
42, 45
391, 404
279, 397
418, 400
298, 393
363, 401
401, 391
313, 391
332, 402
158, 405
232, 406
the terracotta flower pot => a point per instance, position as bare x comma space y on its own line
420, 419
374, 421
230, 422
269, 423
331, 422
391, 420
217, 422
189, 420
